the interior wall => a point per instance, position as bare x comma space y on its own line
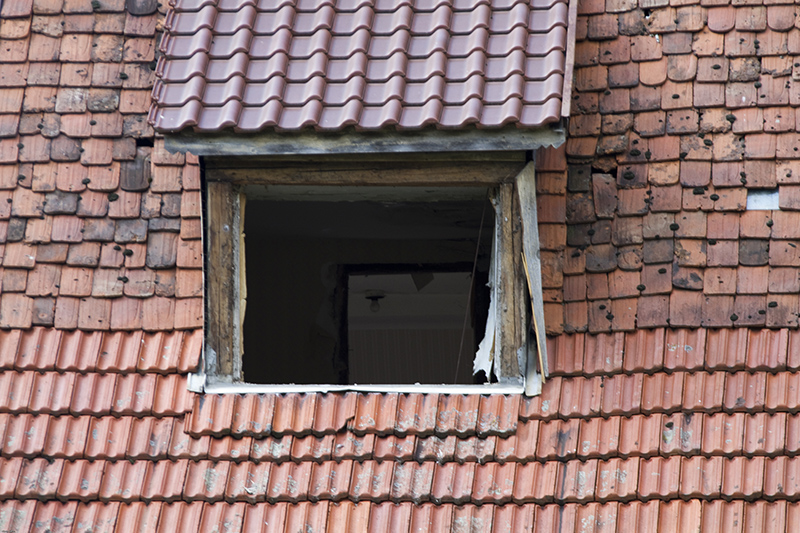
291, 334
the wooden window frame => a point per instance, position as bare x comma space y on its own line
519, 355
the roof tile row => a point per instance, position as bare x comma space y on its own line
252, 70
571, 481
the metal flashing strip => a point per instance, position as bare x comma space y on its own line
252, 388
352, 142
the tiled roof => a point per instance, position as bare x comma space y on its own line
679, 111
292, 65
663, 427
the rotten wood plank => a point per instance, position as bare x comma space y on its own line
526, 191
507, 316
222, 291
407, 174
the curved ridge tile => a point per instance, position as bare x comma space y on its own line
274, 5
258, 118
425, 45
377, 117
305, 47
384, 47
418, 117
178, 94
303, 70
427, 23
505, 21
417, 94
342, 70
537, 68
218, 118
342, 47
469, 5
543, 43
466, 22
349, 23
376, 94
264, 47
346, 6
256, 94
310, 23
544, 20
423, 69
225, 46
505, 5
182, 69
458, 93
218, 94
271, 23
500, 68
191, 5
340, 117
459, 69
538, 92
313, 5
176, 118
191, 23
464, 45
295, 118
299, 94
498, 92
266, 69
234, 5
383, 69
389, 23
496, 116
537, 115
339, 94
186, 46
229, 23
220, 70
504, 43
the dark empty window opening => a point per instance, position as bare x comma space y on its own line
366, 285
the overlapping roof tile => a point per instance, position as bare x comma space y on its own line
289, 66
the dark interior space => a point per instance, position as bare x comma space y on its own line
371, 291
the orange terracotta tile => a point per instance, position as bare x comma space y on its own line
164, 480
185, 515
685, 349
558, 439
622, 394
581, 397
764, 434
435, 448
122, 481
744, 391
108, 437
662, 392
80, 480
727, 349
38, 478
555, 517
521, 446
222, 517
54, 515
370, 481
762, 516
722, 515
644, 350
535, 482
743, 477
458, 414
781, 477
416, 413
412, 481
617, 479
66, 436
476, 449
604, 353
565, 354
767, 349
576, 481
247, 481
544, 405
206, 480
640, 435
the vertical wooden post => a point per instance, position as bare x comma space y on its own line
222, 280
508, 319
526, 189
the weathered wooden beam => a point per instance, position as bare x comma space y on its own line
222, 281
354, 142
507, 366
395, 174
526, 190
